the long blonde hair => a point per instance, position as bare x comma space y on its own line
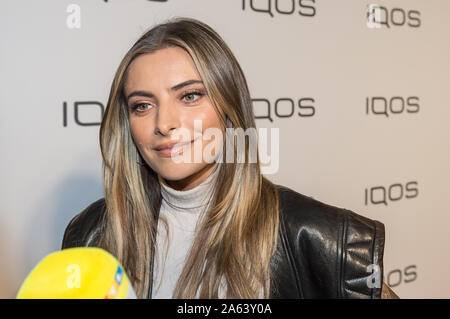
238, 234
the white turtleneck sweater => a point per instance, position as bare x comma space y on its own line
182, 210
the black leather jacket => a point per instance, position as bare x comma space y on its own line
323, 251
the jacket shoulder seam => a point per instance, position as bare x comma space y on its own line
343, 260
373, 246
289, 254
291, 260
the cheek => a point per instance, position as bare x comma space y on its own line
212, 132
209, 119
140, 132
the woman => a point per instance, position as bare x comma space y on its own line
210, 228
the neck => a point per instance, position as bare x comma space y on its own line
190, 181
191, 200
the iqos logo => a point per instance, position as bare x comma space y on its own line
383, 194
393, 278
380, 105
303, 8
406, 275
283, 107
85, 113
378, 16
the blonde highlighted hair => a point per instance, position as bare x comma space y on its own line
238, 234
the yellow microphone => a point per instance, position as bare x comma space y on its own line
77, 273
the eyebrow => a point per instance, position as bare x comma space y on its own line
173, 88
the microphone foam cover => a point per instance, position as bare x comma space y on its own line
77, 273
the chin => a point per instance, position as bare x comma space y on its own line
177, 172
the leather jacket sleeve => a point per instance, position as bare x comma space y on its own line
326, 251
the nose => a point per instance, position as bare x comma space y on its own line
167, 119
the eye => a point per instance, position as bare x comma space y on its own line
140, 107
190, 96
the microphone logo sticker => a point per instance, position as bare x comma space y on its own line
115, 285
118, 276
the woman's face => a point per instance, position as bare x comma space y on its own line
165, 95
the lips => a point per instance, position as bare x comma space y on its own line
169, 149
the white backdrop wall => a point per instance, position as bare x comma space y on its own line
360, 95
